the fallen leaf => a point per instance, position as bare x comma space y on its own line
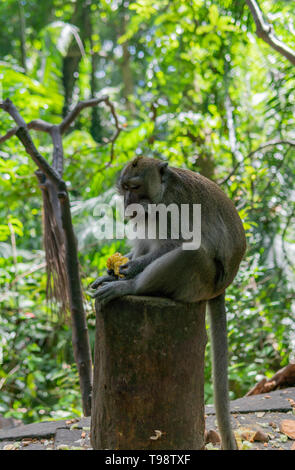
293, 446
283, 438
210, 446
13, 446
9, 447
287, 426
292, 402
240, 436
212, 436
260, 436
260, 414
246, 445
157, 436
248, 435
74, 426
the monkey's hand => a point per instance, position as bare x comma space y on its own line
132, 268
110, 291
102, 279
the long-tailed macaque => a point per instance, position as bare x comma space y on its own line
162, 267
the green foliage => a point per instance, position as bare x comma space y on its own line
191, 84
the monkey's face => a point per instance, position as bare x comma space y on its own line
141, 182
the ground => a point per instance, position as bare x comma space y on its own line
266, 413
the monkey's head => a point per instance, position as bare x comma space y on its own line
142, 181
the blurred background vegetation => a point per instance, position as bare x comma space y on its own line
191, 83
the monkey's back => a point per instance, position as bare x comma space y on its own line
222, 229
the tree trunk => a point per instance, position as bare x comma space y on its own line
148, 388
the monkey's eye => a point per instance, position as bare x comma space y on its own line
130, 187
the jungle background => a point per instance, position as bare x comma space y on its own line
191, 83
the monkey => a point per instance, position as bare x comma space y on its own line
162, 267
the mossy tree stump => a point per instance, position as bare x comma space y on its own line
148, 375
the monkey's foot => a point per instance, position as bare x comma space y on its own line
113, 290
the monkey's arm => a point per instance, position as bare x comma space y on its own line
136, 265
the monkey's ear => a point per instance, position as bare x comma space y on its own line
163, 168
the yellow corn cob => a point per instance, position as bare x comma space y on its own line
115, 261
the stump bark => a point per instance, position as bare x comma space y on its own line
148, 390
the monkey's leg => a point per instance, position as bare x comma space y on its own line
136, 265
218, 333
147, 282
184, 275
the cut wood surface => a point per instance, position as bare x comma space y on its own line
148, 390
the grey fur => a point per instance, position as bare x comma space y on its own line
162, 267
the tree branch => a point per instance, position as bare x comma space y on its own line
9, 107
36, 124
24, 136
58, 152
271, 143
56, 131
90, 103
265, 31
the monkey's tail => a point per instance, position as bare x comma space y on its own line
218, 333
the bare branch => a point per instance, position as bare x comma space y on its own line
9, 134
265, 31
57, 131
24, 136
40, 125
90, 103
9, 107
36, 124
271, 143
58, 153
77, 109
225, 180
58, 214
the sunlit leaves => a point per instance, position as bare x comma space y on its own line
185, 60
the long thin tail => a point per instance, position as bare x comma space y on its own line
218, 330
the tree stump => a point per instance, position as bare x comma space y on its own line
148, 390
